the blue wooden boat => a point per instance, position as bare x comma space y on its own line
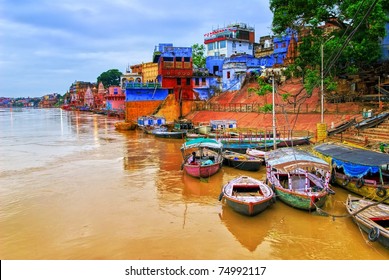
299, 178
358, 170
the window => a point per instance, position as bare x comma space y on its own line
178, 81
186, 59
222, 44
197, 81
188, 81
228, 74
178, 58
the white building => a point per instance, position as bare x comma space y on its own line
237, 38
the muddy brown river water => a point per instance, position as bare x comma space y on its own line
74, 188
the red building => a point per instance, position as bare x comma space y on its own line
175, 70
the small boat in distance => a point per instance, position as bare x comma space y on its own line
247, 196
372, 218
299, 178
202, 157
161, 133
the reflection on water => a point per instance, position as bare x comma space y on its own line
74, 188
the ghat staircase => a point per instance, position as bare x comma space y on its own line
371, 138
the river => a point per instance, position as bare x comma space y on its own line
74, 188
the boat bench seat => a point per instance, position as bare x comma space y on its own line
246, 186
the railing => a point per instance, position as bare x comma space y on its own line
143, 85
244, 107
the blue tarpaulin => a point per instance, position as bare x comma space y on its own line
354, 170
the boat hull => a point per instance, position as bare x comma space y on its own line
247, 196
199, 171
301, 201
368, 189
250, 208
373, 220
170, 134
246, 165
205, 129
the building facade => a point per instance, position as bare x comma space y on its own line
237, 38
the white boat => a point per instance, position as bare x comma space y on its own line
255, 153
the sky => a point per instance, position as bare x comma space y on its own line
47, 45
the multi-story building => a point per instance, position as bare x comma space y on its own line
115, 98
237, 38
149, 72
175, 70
221, 43
77, 91
88, 98
130, 77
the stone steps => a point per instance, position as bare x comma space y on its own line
365, 137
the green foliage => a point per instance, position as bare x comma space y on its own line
263, 87
198, 55
312, 80
285, 96
330, 84
266, 108
356, 43
110, 78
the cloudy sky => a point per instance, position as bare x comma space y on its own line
46, 45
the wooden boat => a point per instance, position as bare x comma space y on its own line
294, 141
125, 125
169, 134
247, 196
358, 170
256, 153
241, 147
202, 157
372, 218
242, 161
299, 178
203, 128
341, 127
183, 125
373, 121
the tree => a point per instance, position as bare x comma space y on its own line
356, 42
110, 78
198, 55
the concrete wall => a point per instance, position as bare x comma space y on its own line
137, 109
